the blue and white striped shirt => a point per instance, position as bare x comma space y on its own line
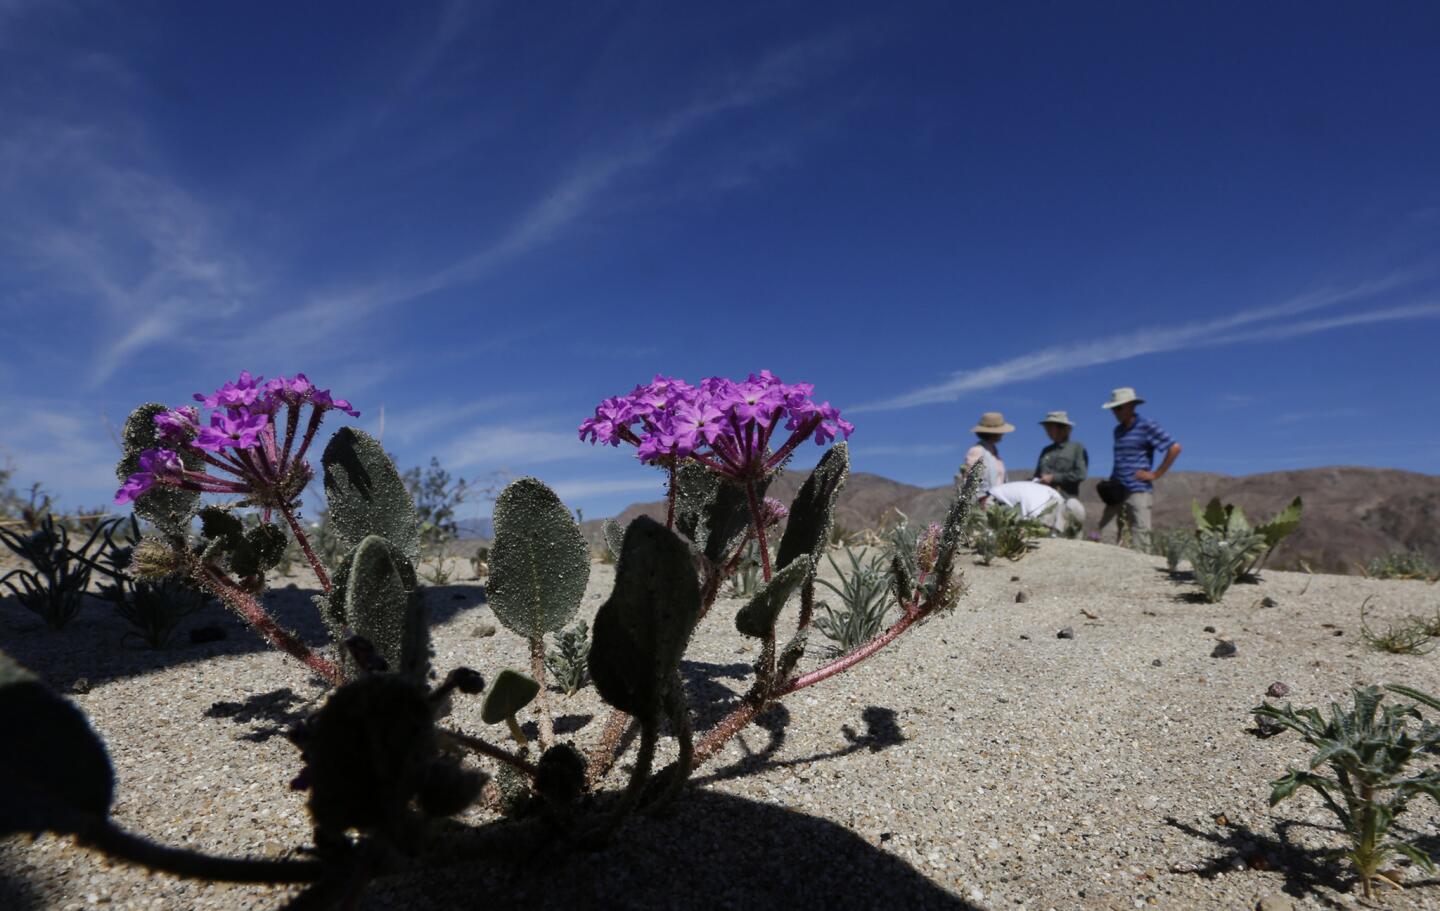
1135, 449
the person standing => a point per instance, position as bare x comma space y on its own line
1137, 440
1064, 464
991, 429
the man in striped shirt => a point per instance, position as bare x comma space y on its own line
1137, 440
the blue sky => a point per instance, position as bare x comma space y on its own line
480, 219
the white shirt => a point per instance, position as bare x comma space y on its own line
1033, 499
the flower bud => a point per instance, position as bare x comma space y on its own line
153, 559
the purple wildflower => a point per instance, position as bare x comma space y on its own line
178, 425
237, 428
323, 401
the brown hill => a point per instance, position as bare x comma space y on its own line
1351, 514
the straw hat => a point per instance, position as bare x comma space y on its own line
1057, 417
992, 422
1123, 396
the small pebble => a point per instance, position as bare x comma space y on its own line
1021, 597
1014, 578
80, 687
484, 630
1066, 633
1268, 601
1224, 649
1209, 629
1278, 689
1155, 663
1275, 902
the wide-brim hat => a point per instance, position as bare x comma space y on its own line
1057, 417
992, 422
1123, 396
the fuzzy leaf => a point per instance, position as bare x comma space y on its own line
1415, 853
728, 517
757, 618
53, 767
217, 524
379, 599
366, 495
509, 692
539, 563
695, 489
812, 513
642, 629
614, 536
1409, 692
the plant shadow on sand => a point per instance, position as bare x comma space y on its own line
711, 851
90, 648
1305, 869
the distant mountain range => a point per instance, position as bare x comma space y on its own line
1351, 514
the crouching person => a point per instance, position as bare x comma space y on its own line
1038, 501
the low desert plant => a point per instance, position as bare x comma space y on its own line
1407, 564
568, 660
154, 607
1368, 751
746, 581
865, 596
1003, 532
480, 562
1174, 545
1219, 560
1228, 521
54, 586
1410, 636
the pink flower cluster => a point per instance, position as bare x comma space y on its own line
724, 425
239, 438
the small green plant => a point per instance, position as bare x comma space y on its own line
1411, 636
1174, 545
569, 660
154, 607
1218, 561
1228, 521
1408, 564
54, 586
746, 581
437, 571
1002, 531
1368, 751
865, 599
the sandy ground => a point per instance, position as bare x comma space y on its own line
979, 762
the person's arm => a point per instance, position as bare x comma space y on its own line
1171, 455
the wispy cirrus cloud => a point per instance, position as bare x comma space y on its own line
495, 447
574, 194
1261, 323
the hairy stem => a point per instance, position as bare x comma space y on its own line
757, 519
253, 612
542, 698
304, 541
680, 726
486, 748
602, 757
670, 496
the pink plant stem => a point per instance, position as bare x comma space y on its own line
485, 748
304, 540
758, 520
754, 703
316, 415
292, 422
244, 604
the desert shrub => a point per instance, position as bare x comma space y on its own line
1219, 561
54, 586
480, 562
568, 661
1409, 564
377, 760
1369, 751
865, 597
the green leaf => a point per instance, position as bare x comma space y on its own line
642, 629
539, 563
812, 512
365, 494
1214, 517
1280, 527
1409, 692
380, 600
169, 508
54, 772
728, 517
1415, 853
1284, 787
757, 618
614, 534
695, 489
509, 692
260, 549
